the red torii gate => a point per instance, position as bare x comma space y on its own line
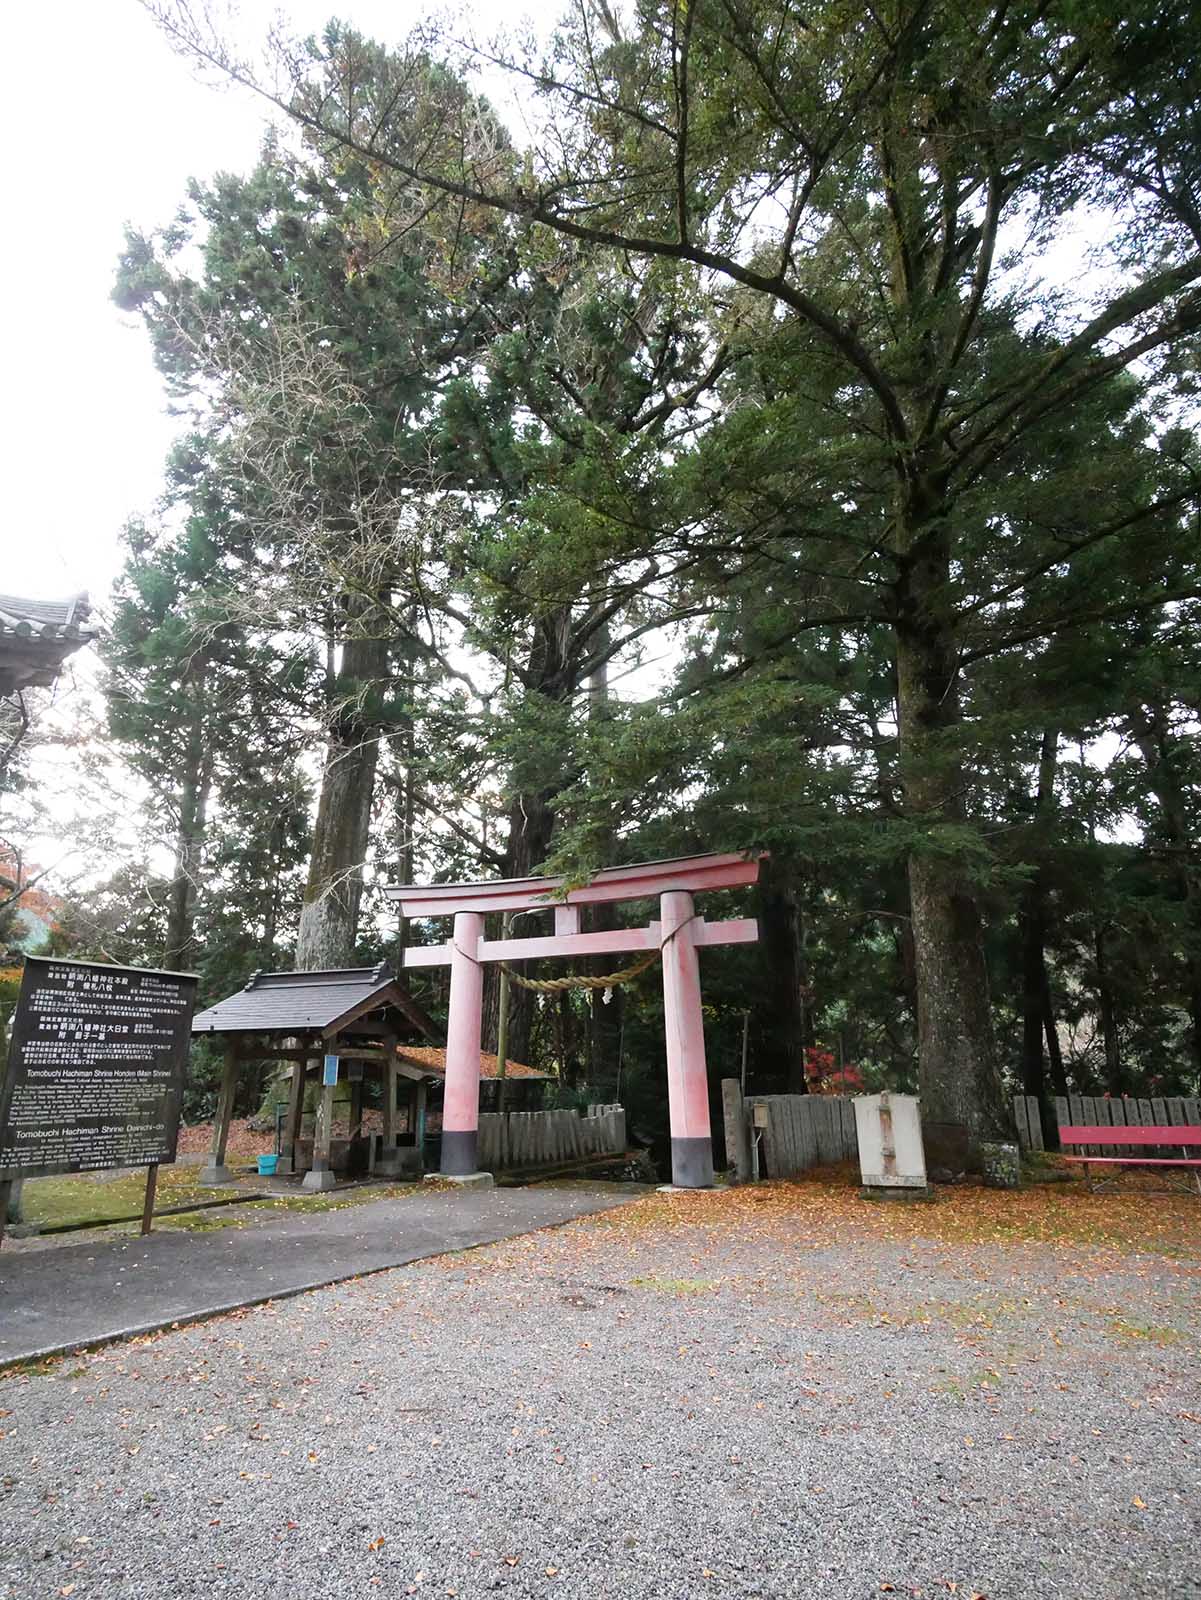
679, 934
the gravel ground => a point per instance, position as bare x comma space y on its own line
776, 1393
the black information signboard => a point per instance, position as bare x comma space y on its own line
95, 1068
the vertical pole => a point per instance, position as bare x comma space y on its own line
6, 1189
738, 1144
388, 1164
288, 1156
148, 1203
217, 1172
502, 1021
321, 1176
461, 1107
419, 1124
687, 1079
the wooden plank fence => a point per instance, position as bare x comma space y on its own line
1028, 1117
514, 1141
1104, 1111
803, 1130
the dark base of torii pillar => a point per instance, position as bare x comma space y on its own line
692, 1164
460, 1161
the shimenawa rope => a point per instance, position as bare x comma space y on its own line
580, 981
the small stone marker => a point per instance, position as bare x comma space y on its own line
738, 1144
889, 1129
1001, 1165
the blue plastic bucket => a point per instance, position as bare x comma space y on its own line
267, 1166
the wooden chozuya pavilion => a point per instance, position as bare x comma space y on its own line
317, 1021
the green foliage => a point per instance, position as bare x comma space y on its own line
770, 387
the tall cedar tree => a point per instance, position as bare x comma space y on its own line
866, 178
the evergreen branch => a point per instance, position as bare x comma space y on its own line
485, 852
1069, 621
1066, 552
534, 207
975, 453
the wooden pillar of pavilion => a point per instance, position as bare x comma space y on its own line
292, 1118
217, 1172
355, 1125
419, 1124
388, 1165
321, 1175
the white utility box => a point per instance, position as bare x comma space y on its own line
889, 1127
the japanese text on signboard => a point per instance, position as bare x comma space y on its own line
96, 1067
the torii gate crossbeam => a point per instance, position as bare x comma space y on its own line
680, 933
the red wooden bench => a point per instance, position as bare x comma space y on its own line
1186, 1137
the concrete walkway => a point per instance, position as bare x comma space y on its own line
59, 1299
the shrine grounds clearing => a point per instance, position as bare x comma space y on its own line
776, 1392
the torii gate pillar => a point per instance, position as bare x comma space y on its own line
461, 1106
687, 1079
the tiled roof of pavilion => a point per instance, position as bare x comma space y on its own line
434, 1060
36, 636
307, 1002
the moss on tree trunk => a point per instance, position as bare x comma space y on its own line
962, 1097
329, 918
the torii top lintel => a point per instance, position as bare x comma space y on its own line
638, 882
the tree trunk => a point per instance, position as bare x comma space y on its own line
962, 1097
1032, 931
329, 917
531, 823
1153, 733
606, 1019
1032, 922
1109, 1023
407, 817
531, 820
195, 787
781, 1045
275, 850
1059, 1077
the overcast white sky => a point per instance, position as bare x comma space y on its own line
102, 124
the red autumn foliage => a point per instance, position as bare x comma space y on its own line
823, 1076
